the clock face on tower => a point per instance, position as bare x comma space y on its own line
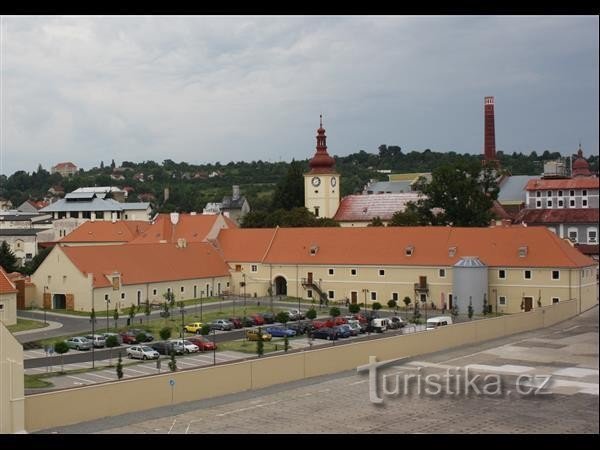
316, 181
333, 182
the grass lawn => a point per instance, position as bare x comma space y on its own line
250, 346
24, 324
36, 381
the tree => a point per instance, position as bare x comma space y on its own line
376, 306
172, 362
286, 343
165, 333
289, 193
170, 297
282, 317
406, 302
112, 164
334, 312
392, 303
485, 305
120, 367
376, 222
111, 341
101, 164
260, 347
353, 308
410, 217
31, 266
311, 314
61, 348
464, 193
116, 316
147, 311
131, 313
141, 337
470, 309
165, 312
205, 329
93, 315
8, 260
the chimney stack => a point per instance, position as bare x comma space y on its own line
489, 130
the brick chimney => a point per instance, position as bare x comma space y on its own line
489, 148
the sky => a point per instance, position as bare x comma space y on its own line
230, 88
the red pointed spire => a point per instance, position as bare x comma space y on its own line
321, 162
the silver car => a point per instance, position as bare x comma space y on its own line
79, 343
97, 339
142, 352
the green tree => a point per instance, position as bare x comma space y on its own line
111, 341
116, 317
112, 164
147, 311
376, 222
141, 337
376, 306
406, 300
120, 367
463, 191
172, 362
311, 314
131, 313
61, 348
92, 315
205, 329
470, 309
354, 308
289, 193
485, 305
410, 217
38, 259
286, 343
8, 260
170, 297
260, 346
165, 333
392, 303
334, 312
282, 317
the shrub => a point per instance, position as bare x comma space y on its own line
311, 314
376, 306
391, 303
334, 312
165, 333
354, 308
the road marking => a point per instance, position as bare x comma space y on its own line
172, 425
357, 382
81, 379
99, 376
133, 370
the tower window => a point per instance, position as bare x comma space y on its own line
316, 211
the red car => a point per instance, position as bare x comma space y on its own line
128, 337
202, 343
258, 319
236, 321
318, 324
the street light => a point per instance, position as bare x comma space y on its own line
107, 303
214, 347
244, 277
182, 309
201, 292
93, 321
366, 291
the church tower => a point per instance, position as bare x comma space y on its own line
322, 183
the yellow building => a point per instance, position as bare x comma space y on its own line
8, 300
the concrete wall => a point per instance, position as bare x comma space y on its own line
111, 399
8, 309
12, 402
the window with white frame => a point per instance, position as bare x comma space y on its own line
572, 193
548, 203
555, 300
395, 296
381, 272
153, 291
254, 268
549, 194
527, 274
572, 203
105, 297
331, 295
556, 274
502, 274
373, 295
331, 271
538, 194
561, 204
122, 295
560, 193
442, 273
182, 289
538, 203
309, 293
584, 203
592, 236
572, 233
584, 193
502, 300
353, 272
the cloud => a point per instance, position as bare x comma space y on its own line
202, 89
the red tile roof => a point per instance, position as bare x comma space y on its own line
588, 249
544, 216
193, 228
6, 286
245, 245
500, 212
147, 263
105, 231
357, 208
574, 183
63, 165
497, 246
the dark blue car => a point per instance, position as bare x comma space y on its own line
325, 333
280, 332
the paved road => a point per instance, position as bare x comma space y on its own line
567, 351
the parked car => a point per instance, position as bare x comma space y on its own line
253, 335
165, 348
184, 346
118, 336
439, 321
380, 325
142, 352
79, 343
268, 317
221, 324
300, 326
280, 331
343, 331
355, 325
136, 331
203, 343
295, 314
128, 337
324, 333
247, 322
348, 329
396, 323
97, 340
257, 319
318, 324
193, 327
236, 321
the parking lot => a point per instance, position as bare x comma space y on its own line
340, 403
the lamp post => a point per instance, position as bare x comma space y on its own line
182, 309
214, 347
107, 303
201, 305
366, 291
244, 277
45, 322
93, 321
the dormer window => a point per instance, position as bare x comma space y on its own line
451, 252
313, 250
523, 251
409, 250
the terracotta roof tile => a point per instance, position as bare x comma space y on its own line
105, 231
543, 216
147, 263
356, 208
6, 286
574, 183
193, 228
495, 246
588, 249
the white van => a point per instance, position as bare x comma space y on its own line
380, 325
439, 321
